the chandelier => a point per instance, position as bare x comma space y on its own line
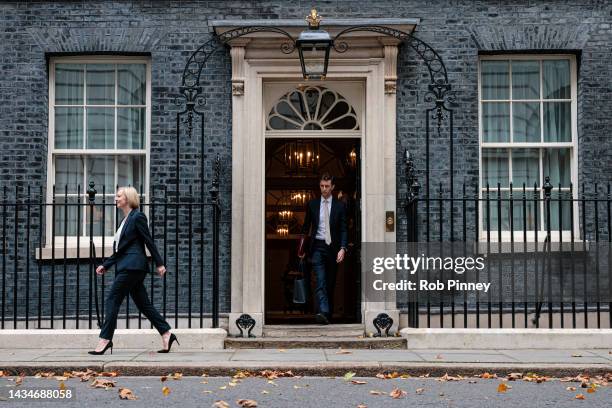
302, 156
300, 197
351, 160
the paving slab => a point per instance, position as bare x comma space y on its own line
82, 355
372, 355
23, 354
463, 356
184, 356
605, 353
269, 355
556, 356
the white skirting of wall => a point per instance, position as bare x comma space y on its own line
145, 339
479, 339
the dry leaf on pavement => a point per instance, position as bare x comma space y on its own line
397, 393
247, 403
348, 376
376, 392
126, 393
166, 391
358, 382
19, 380
362, 406
487, 376
515, 376
220, 404
62, 386
103, 383
502, 387
591, 390
580, 396
420, 390
108, 374
571, 388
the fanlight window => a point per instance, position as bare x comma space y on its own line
312, 108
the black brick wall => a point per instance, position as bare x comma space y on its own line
171, 30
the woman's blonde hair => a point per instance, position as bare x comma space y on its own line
132, 196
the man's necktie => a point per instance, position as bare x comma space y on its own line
326, 221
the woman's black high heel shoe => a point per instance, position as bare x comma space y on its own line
172, 340
109, 345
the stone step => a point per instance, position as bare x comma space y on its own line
312, 330
316, 343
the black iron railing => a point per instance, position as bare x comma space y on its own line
547, 249
49, 250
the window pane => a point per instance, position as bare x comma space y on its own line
68, 171
130, 128
557, 165
495, 167
68, 128
496, 122
69, 84
100, 128
495, 79
557, 122
556, 77
66, 216
132, 84
101, 84
493, 207
131, 171
524, 211
102, 171
100, 220
525, 167
526, 121
560, 219
525, 79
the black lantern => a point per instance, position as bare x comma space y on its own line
313, 46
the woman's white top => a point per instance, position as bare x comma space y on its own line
118, 233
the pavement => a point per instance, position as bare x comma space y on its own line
312, 362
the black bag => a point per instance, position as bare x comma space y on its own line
299, 285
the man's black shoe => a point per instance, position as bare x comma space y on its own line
321, 318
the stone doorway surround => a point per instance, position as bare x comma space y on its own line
257, 58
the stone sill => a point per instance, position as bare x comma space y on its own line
71, 252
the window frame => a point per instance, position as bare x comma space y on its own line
52, 152
506, 235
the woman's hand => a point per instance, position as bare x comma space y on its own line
100, 270
161, 270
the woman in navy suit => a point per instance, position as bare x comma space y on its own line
131, 267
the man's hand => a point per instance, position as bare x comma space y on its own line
100, 270
340, 256
161, 270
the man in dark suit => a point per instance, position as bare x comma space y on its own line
325, 223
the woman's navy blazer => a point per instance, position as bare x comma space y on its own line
130, 254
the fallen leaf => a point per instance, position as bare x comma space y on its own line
247, 403
221, 404
487, 376
362, 406
103, 383
447, 377
272, 383
420, 390
62, 386
164, 378
515, 376
441, 394
397, 393
282, 350
166, 391
358, 382
571, 388
46, 374
405, 376
3, 374
232, 384
376, 392
207, 392
108, 374
344, 352
204, 382
175, 376
223, 387
381, 376
264, 392
19, 380
297, 387
126, 393
61, 378
591, 390
502, 387
348, 376
580, 396
576, 355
